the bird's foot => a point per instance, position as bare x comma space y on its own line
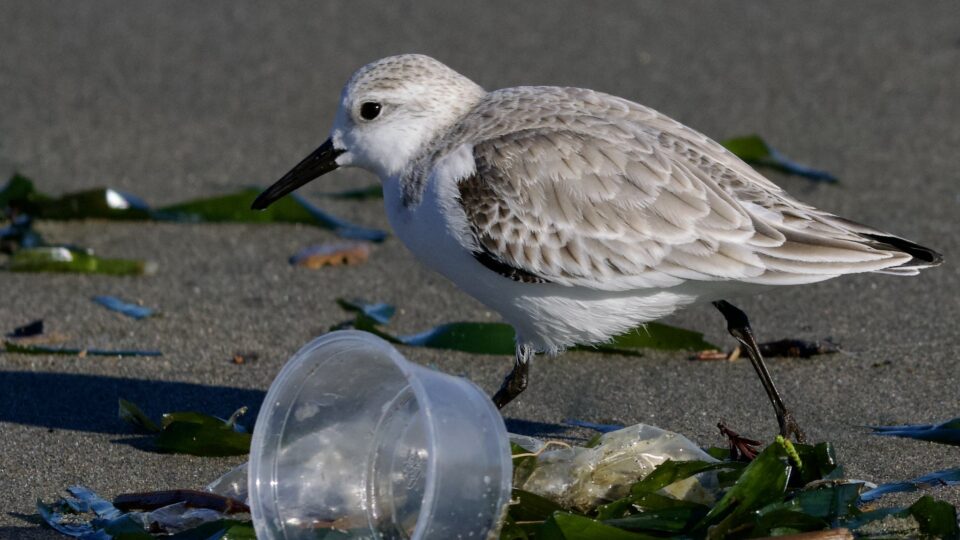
516, 381
513, 385
790, 428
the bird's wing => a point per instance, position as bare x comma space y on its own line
611, 195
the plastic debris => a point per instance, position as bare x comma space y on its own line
582, 478
134, 311
948, 477
181, 517
232, 484
945, 432
19, 234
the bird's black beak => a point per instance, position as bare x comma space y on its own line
319, 162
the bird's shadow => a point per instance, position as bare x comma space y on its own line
90, 402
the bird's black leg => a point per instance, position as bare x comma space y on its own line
739, 328
516, 380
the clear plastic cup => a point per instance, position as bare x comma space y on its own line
354, 441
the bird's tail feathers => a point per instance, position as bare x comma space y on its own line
922, 257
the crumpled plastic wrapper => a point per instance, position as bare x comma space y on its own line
582, 478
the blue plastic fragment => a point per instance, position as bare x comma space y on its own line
342, 228
948, 477
130, 310
945, 432
792, 167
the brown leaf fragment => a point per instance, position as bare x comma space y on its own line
152, 500
710, 355
332, 254
53, 338
241, 357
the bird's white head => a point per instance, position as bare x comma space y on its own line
389, 111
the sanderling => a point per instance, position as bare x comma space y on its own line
578, 215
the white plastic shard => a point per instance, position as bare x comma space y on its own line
232, 484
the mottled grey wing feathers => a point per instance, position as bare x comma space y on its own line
611, 195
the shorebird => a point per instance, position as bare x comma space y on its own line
577, 215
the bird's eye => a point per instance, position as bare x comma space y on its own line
369, 110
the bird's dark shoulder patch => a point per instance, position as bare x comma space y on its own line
517, 274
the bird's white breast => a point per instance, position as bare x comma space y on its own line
547, 316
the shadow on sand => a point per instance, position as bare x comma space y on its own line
89, 402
